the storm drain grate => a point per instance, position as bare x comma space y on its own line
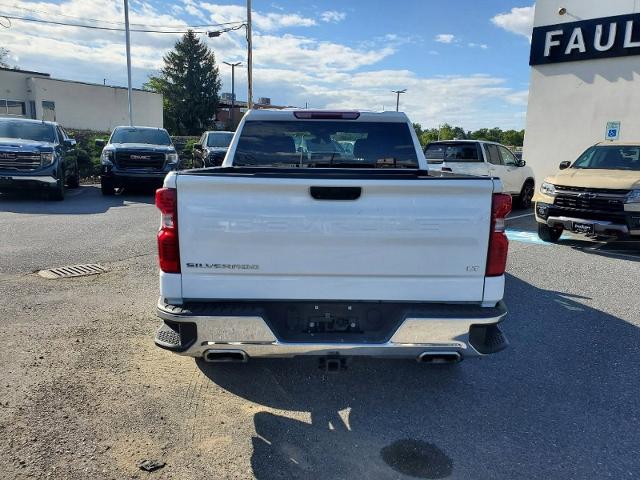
73, 271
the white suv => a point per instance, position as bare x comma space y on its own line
475, 157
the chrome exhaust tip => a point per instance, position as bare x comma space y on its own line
439, 358
225, 356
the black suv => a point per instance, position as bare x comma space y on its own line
36, 154
134, 156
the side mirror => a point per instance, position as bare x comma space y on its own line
197, 146
100, 143
69, 142
565, 165
521, 163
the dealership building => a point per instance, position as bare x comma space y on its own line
75, 105
585, 79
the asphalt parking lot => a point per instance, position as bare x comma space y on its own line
85, 394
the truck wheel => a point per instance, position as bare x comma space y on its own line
548, 234
524, 199
107, 188
57, 194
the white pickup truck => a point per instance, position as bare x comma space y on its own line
331, 252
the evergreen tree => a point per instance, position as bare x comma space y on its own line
190, 83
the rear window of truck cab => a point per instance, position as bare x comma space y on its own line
326, 144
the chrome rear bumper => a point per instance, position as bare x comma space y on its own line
469, 334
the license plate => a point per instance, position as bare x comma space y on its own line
583, 227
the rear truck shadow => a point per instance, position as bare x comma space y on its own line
561, 402
84, 200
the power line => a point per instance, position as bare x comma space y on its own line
96, 27
95, 20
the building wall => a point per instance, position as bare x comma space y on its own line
81, 105
96, 107
13, 85
570, 103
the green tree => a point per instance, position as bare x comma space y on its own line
512, 138
190, 83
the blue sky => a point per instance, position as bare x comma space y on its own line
462, 61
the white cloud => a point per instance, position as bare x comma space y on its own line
483, 46
332, 16
290, 68
303, 53
518, 20
445, 38
518, 98
262, 21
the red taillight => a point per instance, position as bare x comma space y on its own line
166, 200
498, 242
168, 247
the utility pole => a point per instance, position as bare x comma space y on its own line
233, 90
249, 59
398, 92
247, 25
126, 28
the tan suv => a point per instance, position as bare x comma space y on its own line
598, 194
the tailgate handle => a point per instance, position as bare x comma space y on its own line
336, 193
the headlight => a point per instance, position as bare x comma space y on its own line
633, 196
107, 157
548, 189
46, 158
172, 157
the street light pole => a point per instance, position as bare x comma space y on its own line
233, 89
128, 39
249, 59
398, 92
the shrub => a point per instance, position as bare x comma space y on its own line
87, 152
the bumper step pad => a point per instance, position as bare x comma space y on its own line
487, 339
176, 336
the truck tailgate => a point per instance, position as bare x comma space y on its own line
251, 237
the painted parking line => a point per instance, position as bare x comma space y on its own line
525, 237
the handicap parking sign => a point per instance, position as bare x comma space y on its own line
613, 131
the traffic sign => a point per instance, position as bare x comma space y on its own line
613, 131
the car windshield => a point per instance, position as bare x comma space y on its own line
453, 152
219, 139
610, 158
151, 136
320, 144
39, 132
